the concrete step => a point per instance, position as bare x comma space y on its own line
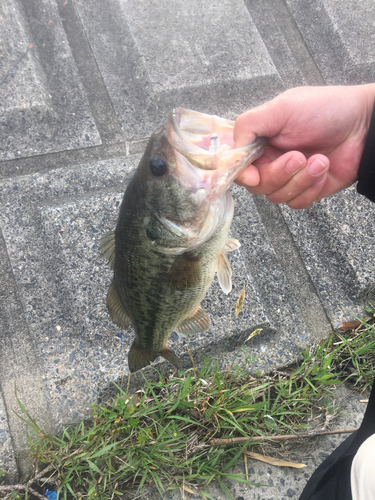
82, 87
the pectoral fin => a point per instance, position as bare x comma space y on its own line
231, 245
116, 309
185, 272
140, 357
108, 247
197, 322
224, 273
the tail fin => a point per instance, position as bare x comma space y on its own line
139, 357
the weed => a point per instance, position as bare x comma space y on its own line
164, 433
353, 354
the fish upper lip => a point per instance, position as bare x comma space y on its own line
176, 127
205, 159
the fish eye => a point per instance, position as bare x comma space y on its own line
158, 166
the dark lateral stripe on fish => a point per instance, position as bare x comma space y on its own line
139, 357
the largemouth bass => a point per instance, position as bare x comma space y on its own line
172, 232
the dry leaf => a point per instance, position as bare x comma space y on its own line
349, 325
136, 399
273, 461
188, 490
195, 413
255, 332
240, 300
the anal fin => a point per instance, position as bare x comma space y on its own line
116, 309
140, 357
197, 322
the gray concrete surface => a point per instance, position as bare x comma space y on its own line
82, 86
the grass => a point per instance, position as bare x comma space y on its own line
353, 354
163, 434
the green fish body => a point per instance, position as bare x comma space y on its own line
172, 232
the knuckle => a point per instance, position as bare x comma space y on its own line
277, 199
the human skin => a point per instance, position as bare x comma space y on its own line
316, 137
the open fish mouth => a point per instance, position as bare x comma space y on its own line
205, 162
206, 141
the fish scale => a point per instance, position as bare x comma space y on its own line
161, 305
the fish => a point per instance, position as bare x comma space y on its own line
172, 232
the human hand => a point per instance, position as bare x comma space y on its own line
316, 137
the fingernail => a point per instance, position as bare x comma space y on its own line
293, 165
317, 167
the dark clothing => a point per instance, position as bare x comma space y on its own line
331, 480
366, 172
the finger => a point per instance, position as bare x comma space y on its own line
271, 153
274, 174
310, 196
265, 120
249, 178
316, 167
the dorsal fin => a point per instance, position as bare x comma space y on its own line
231, 245
197, 322
224, 273
116, 310
108, 248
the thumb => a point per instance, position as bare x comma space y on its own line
266, 120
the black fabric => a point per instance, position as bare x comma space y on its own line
331, 480
366, 172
